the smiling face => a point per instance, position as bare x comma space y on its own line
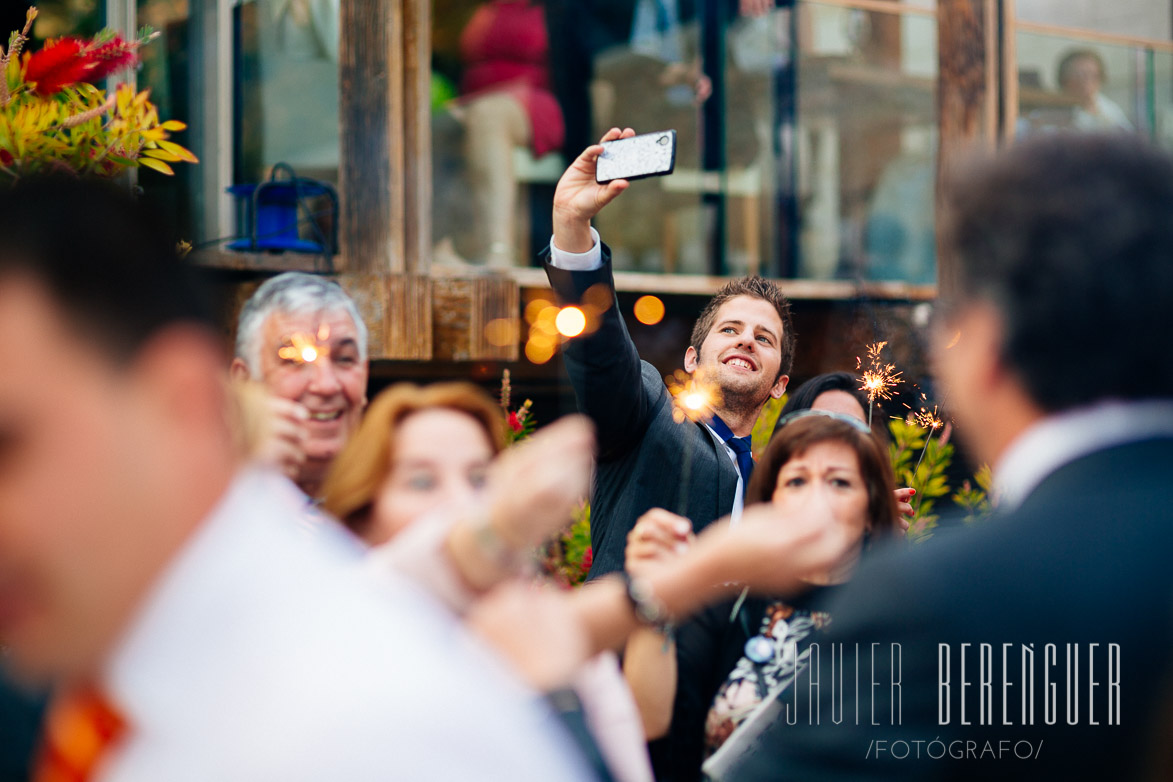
332, 387
741, 354
439, 456
826, 479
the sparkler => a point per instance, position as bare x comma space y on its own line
879, 378
931, 421
692, 400
306, 348
926, 420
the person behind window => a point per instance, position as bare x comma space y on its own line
1082, 75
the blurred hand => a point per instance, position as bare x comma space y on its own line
689, 74
532, 627
771, 552
658, 537
283, 443
534, 486
578, 198
904, 506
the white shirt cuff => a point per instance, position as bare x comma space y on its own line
578, 262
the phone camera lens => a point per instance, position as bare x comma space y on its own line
662, 141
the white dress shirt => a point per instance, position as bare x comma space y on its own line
264, 654
1060, 439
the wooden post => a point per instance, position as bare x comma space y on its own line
371, 141
385, 170
967, 95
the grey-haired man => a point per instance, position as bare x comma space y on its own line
303, 339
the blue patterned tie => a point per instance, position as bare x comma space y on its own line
741, 449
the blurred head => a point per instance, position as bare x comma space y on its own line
837, 392
830, 464
113, 440
295, 311
1061, 247
418, 448
1082, 74
743, 342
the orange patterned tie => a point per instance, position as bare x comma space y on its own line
79, 727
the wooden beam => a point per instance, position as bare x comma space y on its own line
370, 144
967, 96
464, 308
385, 171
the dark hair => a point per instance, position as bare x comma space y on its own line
101, 256
1070, 237
757, 288
874, 466
805, 395
1074, 56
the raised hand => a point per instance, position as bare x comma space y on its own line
771, 552
533, 628
658, 537
578, 197
534, 486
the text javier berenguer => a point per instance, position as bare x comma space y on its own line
1002, 684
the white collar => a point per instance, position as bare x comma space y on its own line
1064, 437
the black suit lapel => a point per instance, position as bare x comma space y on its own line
726, 479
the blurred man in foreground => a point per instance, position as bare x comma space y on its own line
1034, 645
191, 631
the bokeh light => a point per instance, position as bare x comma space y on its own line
649, 310
502, 332
570, 321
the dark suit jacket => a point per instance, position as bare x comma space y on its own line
1084, 560
642, 450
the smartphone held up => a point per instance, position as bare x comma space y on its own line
637, 157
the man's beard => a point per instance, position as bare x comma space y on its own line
743, 399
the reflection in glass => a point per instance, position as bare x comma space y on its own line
288, 77
503, 128
866, 145
1067, 84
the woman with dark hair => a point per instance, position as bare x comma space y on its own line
732, 657
835, 391
839, 392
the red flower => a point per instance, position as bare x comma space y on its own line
60, 63
514, 423
588, 558
5, 157
110, 57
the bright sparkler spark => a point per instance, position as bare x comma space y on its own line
302, 348
691, 398
926, 419
879, 378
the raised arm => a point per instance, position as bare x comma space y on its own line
603, 365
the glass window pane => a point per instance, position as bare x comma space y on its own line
287, 77
1066, 83
166, 72
865, 145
